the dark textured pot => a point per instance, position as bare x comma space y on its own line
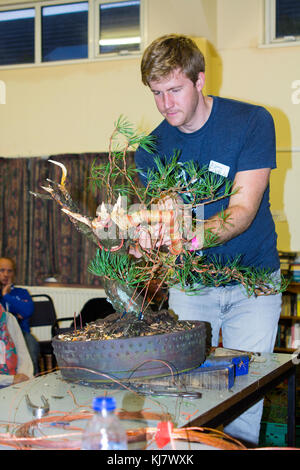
130, 358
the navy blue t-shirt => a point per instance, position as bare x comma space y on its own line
236, 137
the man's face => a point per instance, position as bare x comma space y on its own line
178, 100
6, 271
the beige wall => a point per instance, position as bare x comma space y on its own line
71, 108
68, 108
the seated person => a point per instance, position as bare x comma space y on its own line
15, 362
18, 302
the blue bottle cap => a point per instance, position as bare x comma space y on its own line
104, 403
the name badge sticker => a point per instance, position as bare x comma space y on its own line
218, 168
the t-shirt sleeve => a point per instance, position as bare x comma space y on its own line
259, 147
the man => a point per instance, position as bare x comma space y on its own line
18, 302
236, 140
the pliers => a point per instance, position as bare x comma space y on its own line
38, 411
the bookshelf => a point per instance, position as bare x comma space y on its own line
288, 336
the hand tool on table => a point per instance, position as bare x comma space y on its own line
38, 411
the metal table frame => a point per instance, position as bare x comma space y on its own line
239, 403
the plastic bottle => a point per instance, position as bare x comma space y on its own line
104, 431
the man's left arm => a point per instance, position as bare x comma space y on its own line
243, 205
20, 305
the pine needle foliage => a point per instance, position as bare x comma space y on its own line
116, 176
195, 185
192, 183
185, 184
117, 267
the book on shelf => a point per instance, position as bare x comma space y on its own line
288, 337
290, 305
281, 336
290, 255
293, 337
295, 272
287, 258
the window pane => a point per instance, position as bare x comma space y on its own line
65, 32
287, 18
17, 36
119, 27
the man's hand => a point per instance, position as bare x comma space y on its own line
164, 228
143, 241
195, 243
6, 289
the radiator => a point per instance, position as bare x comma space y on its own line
67, 301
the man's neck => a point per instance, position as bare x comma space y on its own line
201, 116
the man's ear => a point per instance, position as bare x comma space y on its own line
201, 81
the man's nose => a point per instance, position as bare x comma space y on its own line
168, 101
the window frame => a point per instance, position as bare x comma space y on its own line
97, 54
93, 33
270, 28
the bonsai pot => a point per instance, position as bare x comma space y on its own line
123, 359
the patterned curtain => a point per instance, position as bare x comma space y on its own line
34, 231
14, 220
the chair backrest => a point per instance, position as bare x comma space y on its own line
44, 311
93, 309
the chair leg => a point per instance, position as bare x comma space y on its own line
48, 362
41, 364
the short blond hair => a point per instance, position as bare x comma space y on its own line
169, 53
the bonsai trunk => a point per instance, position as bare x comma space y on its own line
125, 299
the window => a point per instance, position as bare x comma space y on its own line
45, 31
119, 27
287, 18
282, 21
17, 36
65, 32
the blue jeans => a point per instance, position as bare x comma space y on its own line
247, 323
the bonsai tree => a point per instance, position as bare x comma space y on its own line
146, 244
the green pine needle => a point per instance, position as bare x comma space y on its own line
196, 186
